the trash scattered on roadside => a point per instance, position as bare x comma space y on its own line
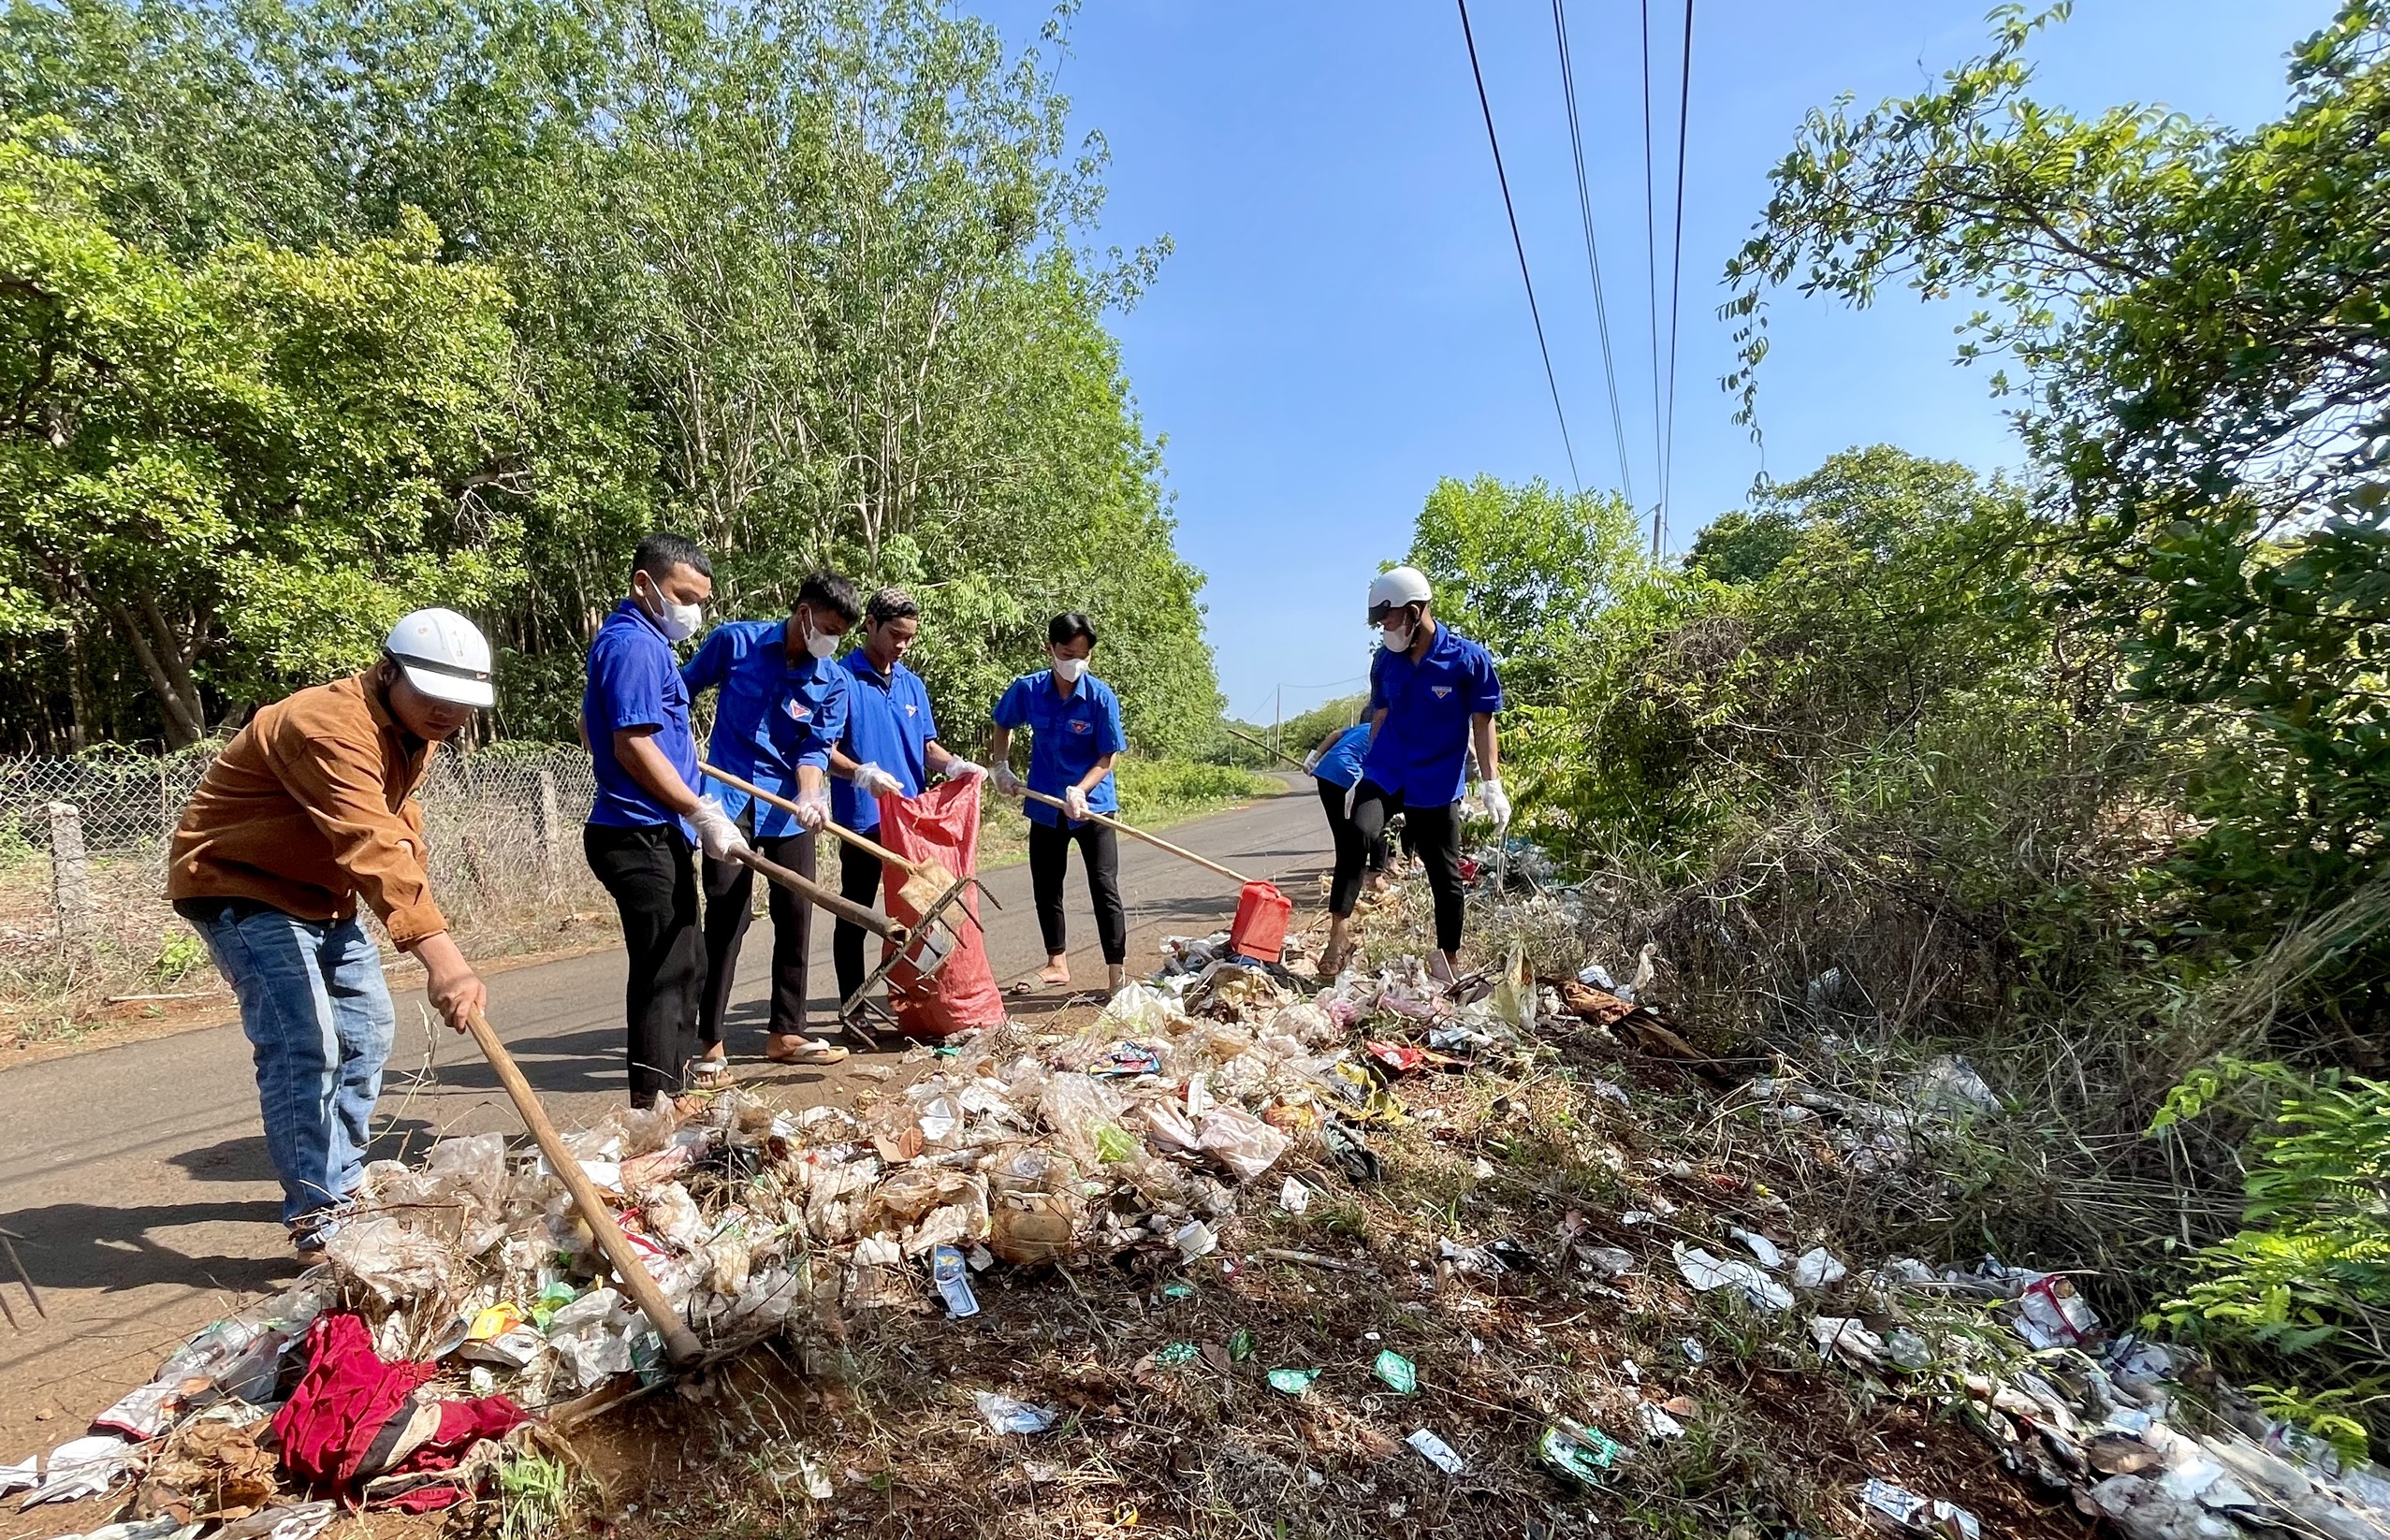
1695, 1354
1769, 1256
1008, 1416
1400, 1374
1440, 1454
1294, 1197
1705, 1273
953, 1281
1239, 1344
1655, 1421
1292, 1382
1904, 1511
1580, 1453
1817, 1268
1173, 1355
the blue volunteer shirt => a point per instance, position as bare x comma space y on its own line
1068, 735
1341, 765
1421, 750
631, 682
889, 725
772, 716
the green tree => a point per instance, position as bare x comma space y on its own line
2198, 320
242, 470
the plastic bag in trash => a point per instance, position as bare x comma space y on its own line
82, 1467
1033, 1210
1706, 1272
1904, 1511
1241, 1142
591, 1337
1077, 1109
1007, 1416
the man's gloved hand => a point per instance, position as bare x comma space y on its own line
959, 769
872, 781
1495, 802
1311, 760
717, 833
812, 809
1074, 801
1007, 782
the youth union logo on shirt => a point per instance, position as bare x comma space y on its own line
1081, 727
800, 711
911, 710
1439, 692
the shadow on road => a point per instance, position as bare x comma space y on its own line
91, 1246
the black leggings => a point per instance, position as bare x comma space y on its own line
1331, 800
729, 890
654, 885
1434, 834
859, 880
1050, 856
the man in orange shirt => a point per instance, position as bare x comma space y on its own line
310, 808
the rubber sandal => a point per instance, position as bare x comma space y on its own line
810, 1050
710, 1075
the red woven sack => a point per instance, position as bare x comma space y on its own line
940, 824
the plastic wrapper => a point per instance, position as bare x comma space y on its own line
1240, 1141
591, 1338
1077, 1109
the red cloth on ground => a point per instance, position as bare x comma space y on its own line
347, 1400
940, 824
344, 1400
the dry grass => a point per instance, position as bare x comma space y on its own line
1540, 1154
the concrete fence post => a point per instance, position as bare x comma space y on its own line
70, 884
551, 834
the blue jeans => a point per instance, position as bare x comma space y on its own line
318, 1017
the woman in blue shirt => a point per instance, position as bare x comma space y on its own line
1075, 741
782, 711
1336, 765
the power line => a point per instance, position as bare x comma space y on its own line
1652, 270
1551, 379
1593, 255
1676, 270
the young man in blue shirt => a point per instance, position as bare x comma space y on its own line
1336, 765
891, 749
1432, 695
782, 711
1075, 741
647, 815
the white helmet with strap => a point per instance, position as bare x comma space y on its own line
444, 656
1394, 587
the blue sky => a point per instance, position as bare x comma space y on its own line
1342, 321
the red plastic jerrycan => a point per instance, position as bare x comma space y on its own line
1261, 915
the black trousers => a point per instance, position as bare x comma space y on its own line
859, 881
729, 905
1332, 799
1434, 834
1050, 857
654, 887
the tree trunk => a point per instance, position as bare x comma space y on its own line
184, 724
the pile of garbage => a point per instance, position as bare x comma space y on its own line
462, 1294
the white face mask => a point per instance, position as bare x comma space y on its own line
818, 643
678, 622
1397, 638
1069, 670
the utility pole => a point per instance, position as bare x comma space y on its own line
1278, 723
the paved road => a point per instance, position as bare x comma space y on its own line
139, 1177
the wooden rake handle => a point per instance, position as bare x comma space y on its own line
870, 847
1179, 850
680, 1345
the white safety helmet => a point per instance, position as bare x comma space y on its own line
1394, 587
445, 655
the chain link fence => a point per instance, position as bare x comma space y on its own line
84, 848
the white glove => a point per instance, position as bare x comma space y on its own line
1007, 782
1311, 760
959, 769
1353, 795
718, 834
812, 809
1495, 802
872, 781
1074, 801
